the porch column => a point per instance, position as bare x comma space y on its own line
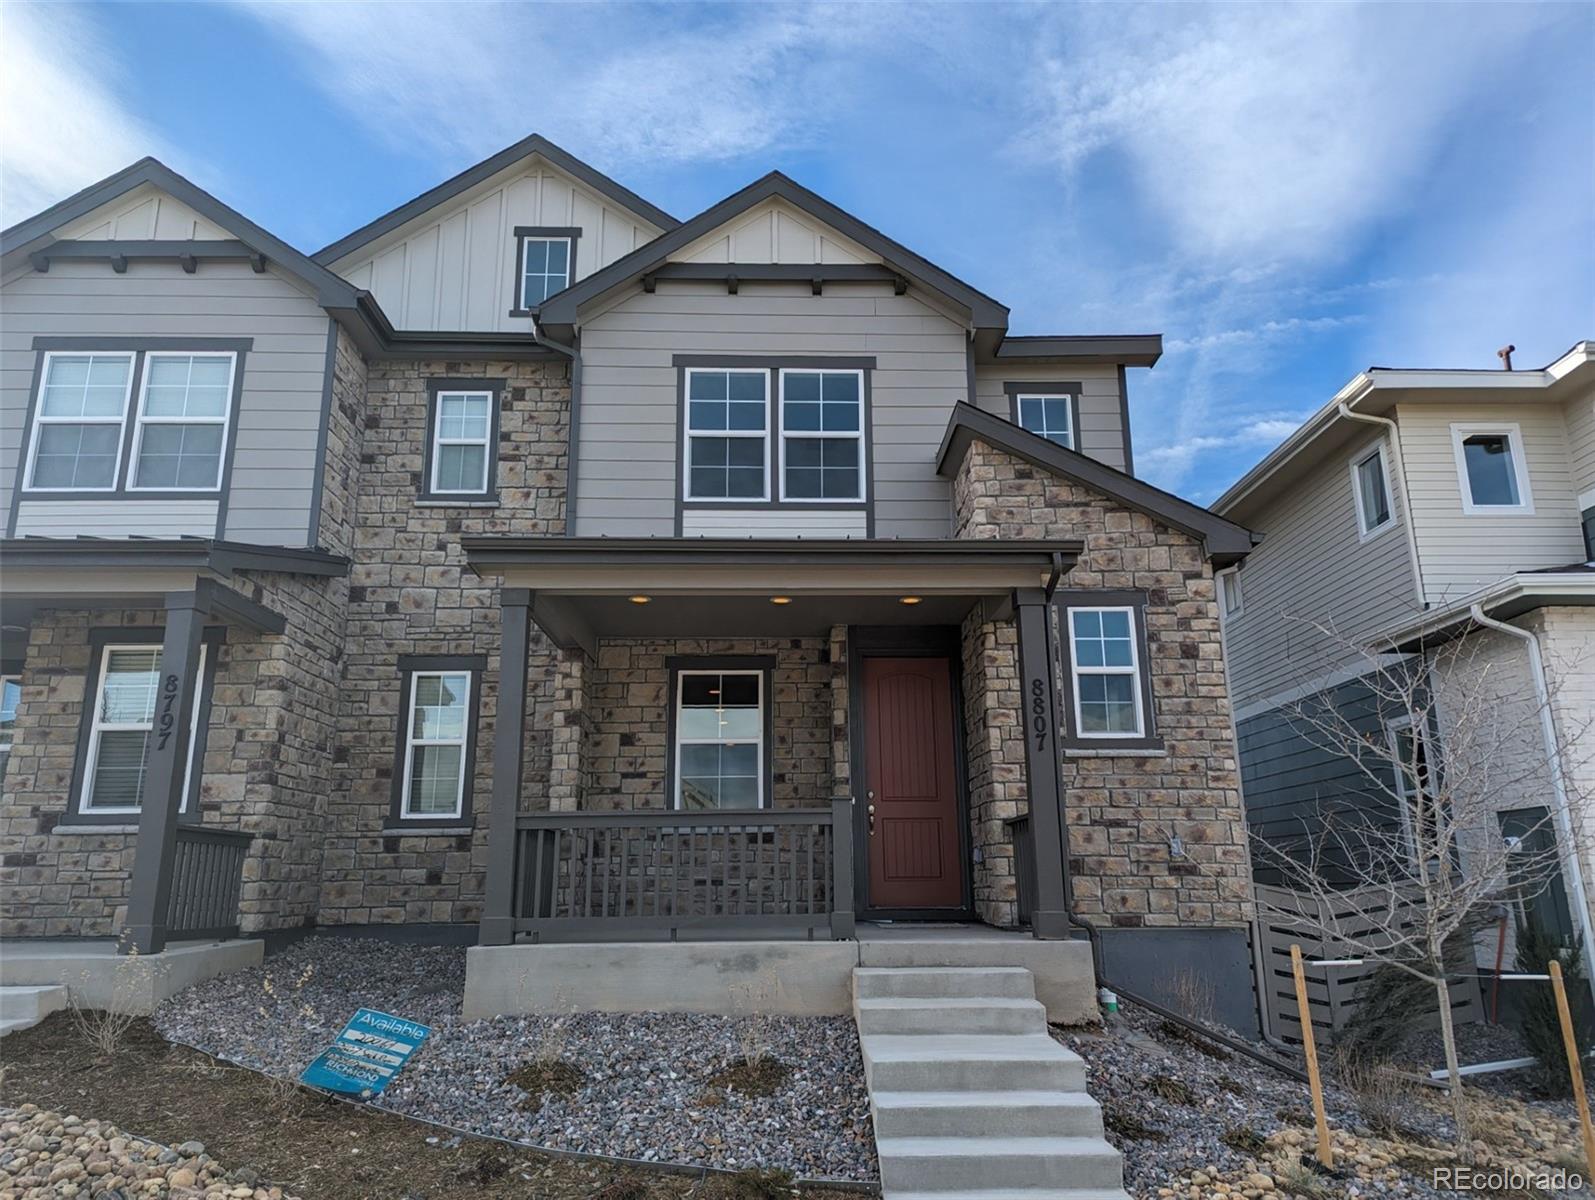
509, 737
1049, 917
155, 853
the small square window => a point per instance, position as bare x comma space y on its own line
1047, 414
545, 268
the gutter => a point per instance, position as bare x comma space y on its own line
573, 430
1345, 410
1553, 752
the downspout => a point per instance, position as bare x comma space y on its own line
1553, 752
573, 434
1390, 426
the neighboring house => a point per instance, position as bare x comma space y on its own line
1414, 509
530, 563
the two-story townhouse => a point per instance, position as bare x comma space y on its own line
1443, 520
534, 565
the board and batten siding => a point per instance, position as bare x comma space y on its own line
775, 232
277, 433
144, 213
455, 267
1462, 553
626, 481
1312, 566
1102, 433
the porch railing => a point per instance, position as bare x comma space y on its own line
615, 875
207, 876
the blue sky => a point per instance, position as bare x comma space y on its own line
1288, 194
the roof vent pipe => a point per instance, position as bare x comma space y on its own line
1505, 355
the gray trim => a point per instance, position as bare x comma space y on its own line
101, 636
839, 362
1040, 387
570, 233
34, 389
573, 431
1129, 349
318, 487
762, 663
488, 167
188, 252
450, 384
1224, 541
1066, 599
198, 554
473, 664
503, 550
1124, 420
509, 745
969, 373
565, 308
1048, 870
114, 344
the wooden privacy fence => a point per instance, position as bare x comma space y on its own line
207, 875
595, 875
1332, 992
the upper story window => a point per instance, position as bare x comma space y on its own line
1491, 469
727, 435
1050, 410
182, 422
461, 463
1370, 484
1229, 592
719, 746
79, 421
822, 435
545, 263
120, 726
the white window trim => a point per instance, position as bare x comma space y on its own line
1514, 435
96, 727
1365, 533
439, 441
141, 419
411, 742
1134, 671
688, 433
681, 741
7, 736
520, 284
1068, 407
1394, 727
40, 420
1229, 585
838, 435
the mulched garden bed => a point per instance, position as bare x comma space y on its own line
310, 1145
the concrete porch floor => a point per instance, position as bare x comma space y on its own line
98, 977
788, 977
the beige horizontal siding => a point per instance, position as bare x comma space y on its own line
117, 518
735, 523
1102, 432
1580, 412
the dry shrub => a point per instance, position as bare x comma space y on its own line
1382, 1096
1171, 1089
1195, 997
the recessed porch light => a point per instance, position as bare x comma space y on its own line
780, 599
639, 599
909, 599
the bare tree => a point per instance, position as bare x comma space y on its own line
1405, 867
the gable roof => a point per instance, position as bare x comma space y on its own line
329, 289
563, 307
536, 144
1224, 541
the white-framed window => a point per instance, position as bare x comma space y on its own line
1106, 672
437, 733
1491, 469
462, 431
1047, 414
719, 739
1370, 485
727, 435
121, 726
545, 268
78, 422
1229, 592
1410, 763
184, 407
10, 697
822, 435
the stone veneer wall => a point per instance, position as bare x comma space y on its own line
994, 750
1123, 807
410, 594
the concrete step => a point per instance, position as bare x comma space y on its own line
903, 1015
943, 1164
23, 1006
970, 1062
986, 1114
1014, 983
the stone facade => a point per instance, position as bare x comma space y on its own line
994, 750
1124, 807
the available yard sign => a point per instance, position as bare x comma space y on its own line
367, 1055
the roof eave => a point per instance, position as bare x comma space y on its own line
1129, 349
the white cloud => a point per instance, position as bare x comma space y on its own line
1268, 331
62, 123
1262, 433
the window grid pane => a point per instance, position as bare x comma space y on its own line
182, 422
461, 442
733, 408
822, 438
436, 737
1107, 685
719, 739
1050, 416
545, 269
78, 427
124, 718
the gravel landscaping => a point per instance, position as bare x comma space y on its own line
648, 1086
44, 1154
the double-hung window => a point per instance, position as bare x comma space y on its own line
545, 268
719, 750
182, 422
437, 737
1491, 469
1105, 657
822, 435
461, 436
78, 422
121, 726
10, 697
727, 435
1047, 414
1370, 485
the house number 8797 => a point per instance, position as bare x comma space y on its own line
1038, 711
168, 718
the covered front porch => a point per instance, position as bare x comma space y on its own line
756, 740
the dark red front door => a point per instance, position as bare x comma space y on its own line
911, 779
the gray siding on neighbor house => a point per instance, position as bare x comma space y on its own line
628, 444
274, 442
1580, 412
1102, 430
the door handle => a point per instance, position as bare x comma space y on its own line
872, 818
